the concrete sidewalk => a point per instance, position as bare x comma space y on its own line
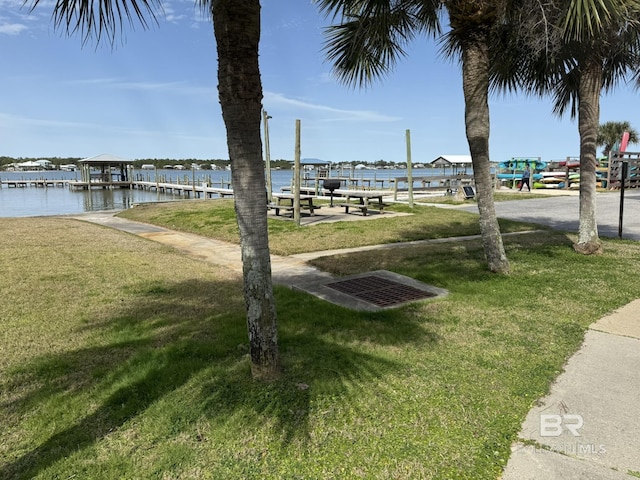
588, 427
287, 271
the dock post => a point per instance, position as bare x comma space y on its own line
409, 169
296, 176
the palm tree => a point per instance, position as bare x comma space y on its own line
607, 51
574, 50
610, 133
237, 31
369, 39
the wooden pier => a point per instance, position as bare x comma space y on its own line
39, 183
184, 189
81, 185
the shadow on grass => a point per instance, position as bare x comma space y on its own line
458, 265
460, 227
177, 332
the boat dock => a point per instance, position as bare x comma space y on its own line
184, 189
40, 183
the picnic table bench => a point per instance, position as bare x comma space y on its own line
284, 201
364, 201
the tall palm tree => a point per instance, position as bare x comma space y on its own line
573, 50
237, 32
603, 38
610, 133
370, 37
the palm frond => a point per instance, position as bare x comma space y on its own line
565, 91
590, 18
101, 19
371, 35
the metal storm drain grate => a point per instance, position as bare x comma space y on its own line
379, 291
370, 291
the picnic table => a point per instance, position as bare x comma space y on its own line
361, 200
284, 201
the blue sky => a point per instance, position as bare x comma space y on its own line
154, 95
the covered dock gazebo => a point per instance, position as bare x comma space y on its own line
458, 163
320, 168
106, 171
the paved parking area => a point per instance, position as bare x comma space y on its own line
562, 212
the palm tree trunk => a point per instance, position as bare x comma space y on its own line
588, 123
237, 31
475, 81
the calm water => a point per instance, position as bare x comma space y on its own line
32, 201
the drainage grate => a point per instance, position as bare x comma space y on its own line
379, 291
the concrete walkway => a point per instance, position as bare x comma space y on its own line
288, 271
588, 427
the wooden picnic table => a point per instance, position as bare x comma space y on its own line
361, 200
284, 201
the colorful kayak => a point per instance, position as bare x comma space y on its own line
516, 176
624, 142
535, 164
552, 180
571, 164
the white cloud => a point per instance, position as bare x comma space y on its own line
178, 88
12, 28
9, 120
337, 114
11, 4
170, 14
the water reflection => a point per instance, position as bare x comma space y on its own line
37, 201
32, 201
117, 199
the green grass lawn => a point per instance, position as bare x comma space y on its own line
216, 218
124, 359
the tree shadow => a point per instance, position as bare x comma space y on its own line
454, 265
173, 333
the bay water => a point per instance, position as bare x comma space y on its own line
36, 201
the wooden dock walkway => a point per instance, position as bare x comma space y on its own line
81, 185
40, 183
185, 189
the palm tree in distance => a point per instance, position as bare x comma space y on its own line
610, 133
236, 26
370, 37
